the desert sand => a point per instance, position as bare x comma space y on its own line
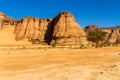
7, 37
60, 64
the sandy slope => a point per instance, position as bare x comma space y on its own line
7, 37
60, 64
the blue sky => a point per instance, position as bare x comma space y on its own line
104, 13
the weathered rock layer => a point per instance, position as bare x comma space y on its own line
63, 29
66, 30
32, 28
5, 21
113, 33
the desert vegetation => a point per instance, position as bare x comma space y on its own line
97, 37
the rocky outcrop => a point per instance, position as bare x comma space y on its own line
2, 15
32, 28
66, 30
91, 28
63, 29
113, 34
6, 21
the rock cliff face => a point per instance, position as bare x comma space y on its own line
113, 34
2, 16
32, 28
63, 29
6, 21
66, 30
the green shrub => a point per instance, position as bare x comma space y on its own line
53, 44
24, 47
82, 46
114, 44
97, 37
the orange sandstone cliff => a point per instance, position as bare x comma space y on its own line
63, 29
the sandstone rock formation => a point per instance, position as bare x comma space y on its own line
91, 28
32, 28
113, 34
66, 30
5, 21
63, 29
2, 16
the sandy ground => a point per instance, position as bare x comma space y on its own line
7, 37
60, 64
